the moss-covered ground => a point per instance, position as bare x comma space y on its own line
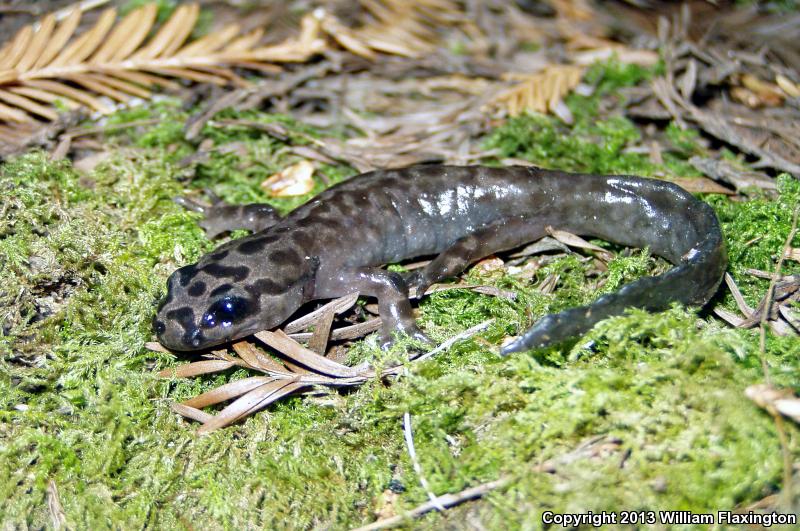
84, 257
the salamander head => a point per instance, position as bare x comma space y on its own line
225, 297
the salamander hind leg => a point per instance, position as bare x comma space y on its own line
221, 217
500, 236
390, 290
448, 264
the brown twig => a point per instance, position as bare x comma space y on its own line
770, 294
445, 500
590, 448
787, 456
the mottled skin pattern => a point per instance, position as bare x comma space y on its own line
335, 244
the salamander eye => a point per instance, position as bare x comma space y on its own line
225, 312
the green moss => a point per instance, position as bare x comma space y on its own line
594, 143
607, 78
624, 269
684, 140
84, 258
596, 148
756, 232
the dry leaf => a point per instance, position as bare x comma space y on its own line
725, 171
257, 359
253, 401
573, 240
293, 180
347, 38
337, 306
191, 413
322, 332
777, 152
791, 317
283, 343
587, 49
156, 347
489, 265
348, 332
755, 92
88, 163
747, 97
700, 185
729, 317
226, 392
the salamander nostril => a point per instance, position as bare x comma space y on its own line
159, 327
196, 338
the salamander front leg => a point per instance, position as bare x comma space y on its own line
390, 290
221, 217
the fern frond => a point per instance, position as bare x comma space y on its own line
540, 92
52, 62
397, 27
118, 60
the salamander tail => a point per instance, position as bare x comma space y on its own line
693, 281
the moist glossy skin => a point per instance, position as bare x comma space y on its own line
335, 244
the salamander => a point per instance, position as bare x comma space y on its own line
335, 244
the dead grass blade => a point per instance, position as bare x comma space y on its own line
257, 359
738, 297
345, 333
196, 369
301, 369
338, 306
595, 448
322, 332
299, 354
191, 413
227, 392
719, 126
257, 399
573, 240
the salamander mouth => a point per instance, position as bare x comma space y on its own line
244, 333
195, 340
